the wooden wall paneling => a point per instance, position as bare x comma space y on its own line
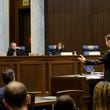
12, 19
11, 26
64, 67
24, 27
20, 23
47, 78
68, 21
101, 21
35, 73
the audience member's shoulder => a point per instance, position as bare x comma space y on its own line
2, 92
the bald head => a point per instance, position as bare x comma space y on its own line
13, 45
15, 94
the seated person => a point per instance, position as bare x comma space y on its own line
7, 76
15, 51
59, 49
65, 102
15, 96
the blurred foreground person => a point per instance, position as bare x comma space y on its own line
101, 96
15, 96
65, 102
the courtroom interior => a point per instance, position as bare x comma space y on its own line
56, 46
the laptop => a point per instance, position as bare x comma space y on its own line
91, 73
89, 68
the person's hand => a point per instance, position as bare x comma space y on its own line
82, 58
28, 99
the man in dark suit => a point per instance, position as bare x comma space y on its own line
15, 51
105, 59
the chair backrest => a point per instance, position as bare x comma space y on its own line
77, 95
22, 48
31, 97
51, 48
91, 50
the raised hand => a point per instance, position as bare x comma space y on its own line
81, 58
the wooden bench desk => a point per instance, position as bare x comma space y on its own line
44, 101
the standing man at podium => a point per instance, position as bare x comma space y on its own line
105, 59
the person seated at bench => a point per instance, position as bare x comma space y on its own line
14, 50
59, 49
65, 102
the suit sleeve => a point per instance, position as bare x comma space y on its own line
104, 59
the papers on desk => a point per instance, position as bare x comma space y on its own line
46, 100
49, 97
95, 75
66, 53
75, 75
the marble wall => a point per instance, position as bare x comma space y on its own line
4, 26
37, 27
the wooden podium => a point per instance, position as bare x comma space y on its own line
78, 82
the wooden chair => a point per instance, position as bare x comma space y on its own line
31, 96
77, 95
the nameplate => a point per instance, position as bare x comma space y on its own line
66, 53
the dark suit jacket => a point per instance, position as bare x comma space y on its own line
57, 52
105, 59
19, 52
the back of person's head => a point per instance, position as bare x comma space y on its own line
65, 102
8, 75
15, 95
101, 96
